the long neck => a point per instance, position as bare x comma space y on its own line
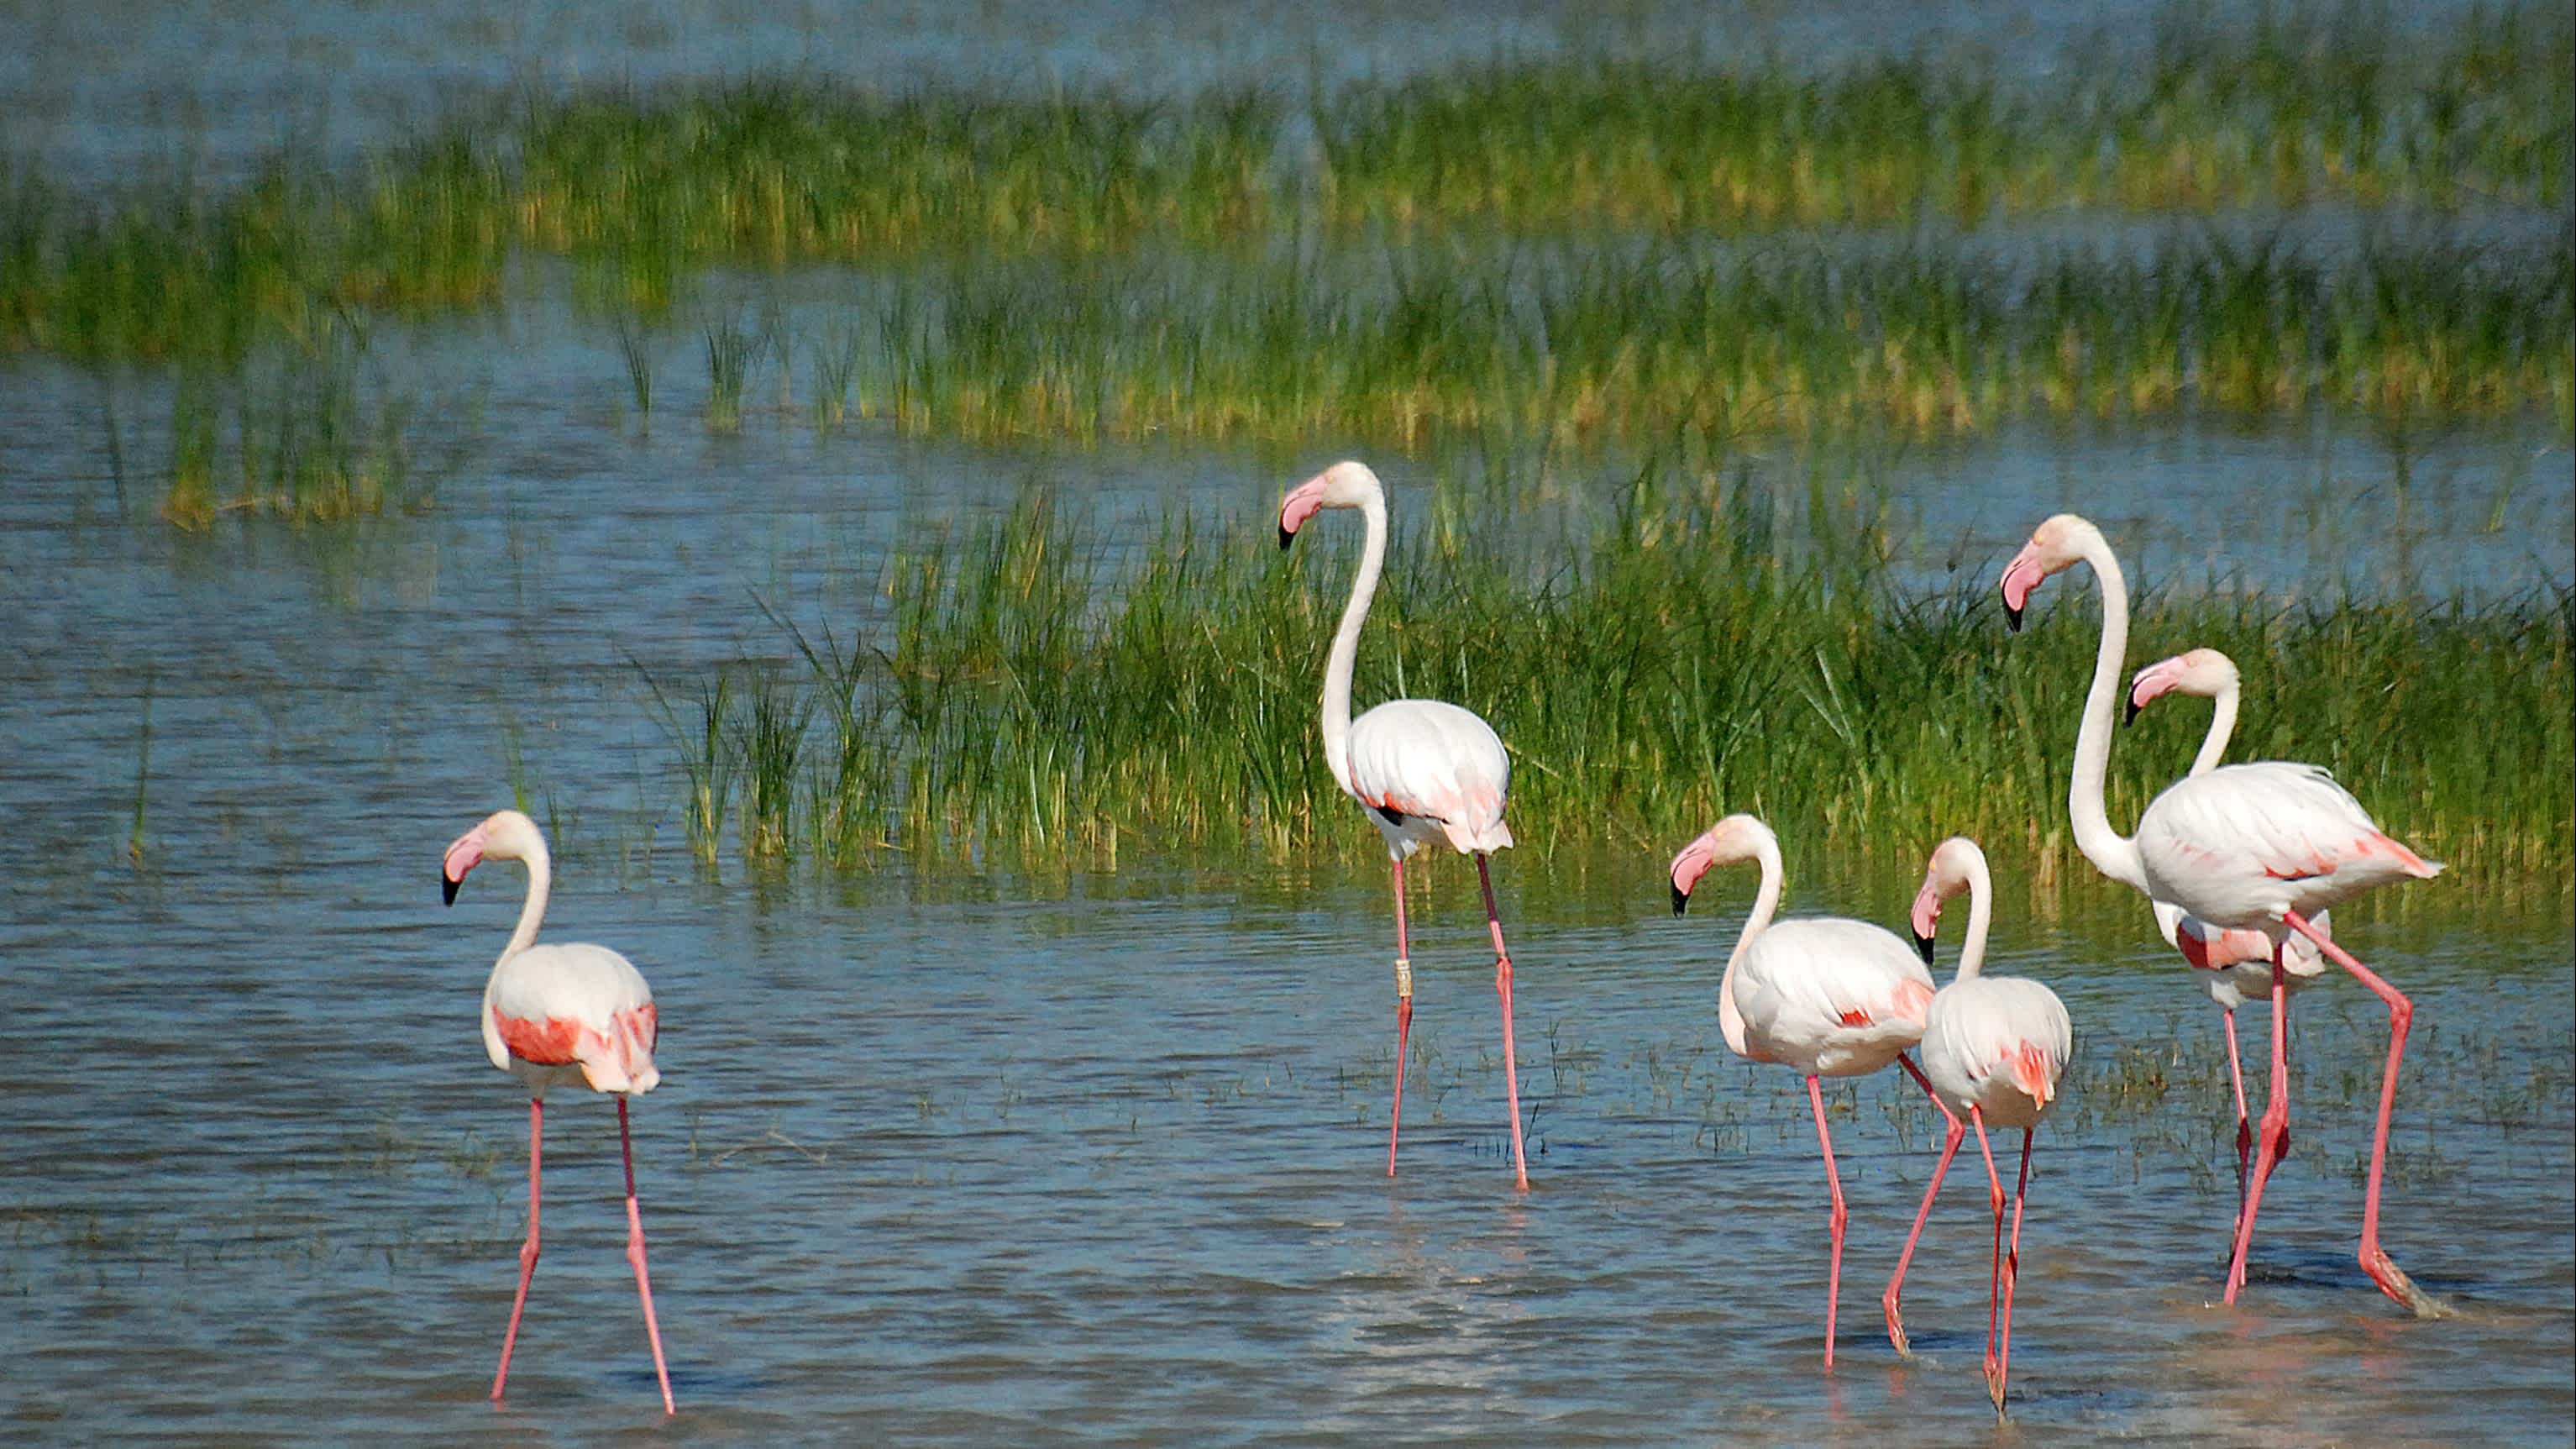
2112, 854
1730, 1020
1981, 914
2222, 725
1346, 644
533, 912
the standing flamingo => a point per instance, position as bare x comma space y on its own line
2258, 847
1829, 996
1993, 1047
1426, 771
2239, 962
561, 1016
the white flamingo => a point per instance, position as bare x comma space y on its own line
572, 1016
2260, 847
1427, 771
2238, 963
1829, 996
1993, 1048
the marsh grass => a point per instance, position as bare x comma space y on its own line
298, 433
1652, 661
642, 188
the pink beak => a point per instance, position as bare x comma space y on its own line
2021, 576
2155, 679
462, 856
1688, 867
1301, 504
1927, 919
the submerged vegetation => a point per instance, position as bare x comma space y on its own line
1650, 664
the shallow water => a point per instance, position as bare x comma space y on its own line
975, 1159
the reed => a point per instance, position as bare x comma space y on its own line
1653, 659
299, 434
1923, 338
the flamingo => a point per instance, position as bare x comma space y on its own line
561, 1016
1427, 771
2260, 847
1829, 996
1994, 1048
2238, 962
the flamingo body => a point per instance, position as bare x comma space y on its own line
1830, 996
572, 1015
2245, 845
1430, 771
1997, 1045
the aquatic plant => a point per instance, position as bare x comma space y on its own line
1652, 659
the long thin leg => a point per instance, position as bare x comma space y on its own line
2275, 1132
2383, 1270
1834, 1185
635, 1255
1995, 1278
1950, 1140
1403, 1018
2244, 1128
527, 1251
1503, 988
2011, 1274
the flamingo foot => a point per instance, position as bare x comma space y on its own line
1995, 1384
2392, 1280
1896, 1328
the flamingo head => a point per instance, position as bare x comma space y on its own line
1346, 484
2054, 545
504, 835
1954, 862
2202, 672
1735, 839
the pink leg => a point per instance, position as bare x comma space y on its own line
528, 1251
1403, 1019
2384, 1271
635, 1255
1995, 1278
1949, 1149
1503, 988
2011, 1272
2275, 1132
2244, 1131
1834, 1185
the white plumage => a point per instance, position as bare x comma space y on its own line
1426, 771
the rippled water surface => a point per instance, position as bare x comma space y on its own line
993, 1159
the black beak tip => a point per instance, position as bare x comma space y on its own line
2012, 619
1285, 538
1681, 900
2129, 713
1923, 944
448, 887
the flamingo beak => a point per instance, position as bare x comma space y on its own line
1681, 900
448, 887
1923, 945
2129, 712
462, 856
1301, 504
1925, 919
2022, 575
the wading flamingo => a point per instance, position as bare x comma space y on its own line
2257, 847
1829, 996
573, 1016
1427, 771
1993, 1047
2238, 962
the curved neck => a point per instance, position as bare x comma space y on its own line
2112, 854
1346, 644
533, 912
1730, 1020
1981, 915
2222, 725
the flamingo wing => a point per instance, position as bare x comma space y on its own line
574, 1006
1420, 759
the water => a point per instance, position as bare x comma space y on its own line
978, 1159
982, 1158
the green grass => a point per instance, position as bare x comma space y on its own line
1652, 664
1927, 337
643, 188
